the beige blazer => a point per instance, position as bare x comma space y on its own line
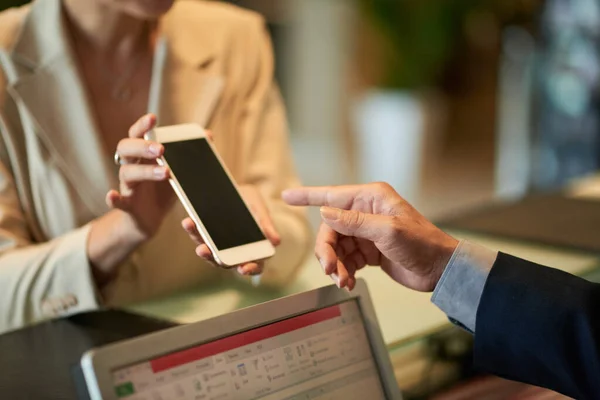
218, 72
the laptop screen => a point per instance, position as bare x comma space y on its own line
324, 353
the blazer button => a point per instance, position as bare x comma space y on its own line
71, 300
63, 304
58, 305
49, 308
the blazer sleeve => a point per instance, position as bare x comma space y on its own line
541, 326
39, 281
267, 159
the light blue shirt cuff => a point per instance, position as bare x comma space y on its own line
459, 290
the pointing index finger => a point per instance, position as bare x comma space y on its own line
331, 196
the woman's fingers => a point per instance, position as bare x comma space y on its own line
132, 174
202, 249
134, 149
190, 227
204, 252
251, 269
142, 126
269, 229
114, 200
261, 212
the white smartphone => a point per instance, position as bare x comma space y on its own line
210, 196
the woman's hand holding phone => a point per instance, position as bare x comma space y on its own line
138, 207
144, 191
145, 196
260, 210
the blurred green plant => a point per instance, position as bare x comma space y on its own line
421, 36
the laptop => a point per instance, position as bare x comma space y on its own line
321, 344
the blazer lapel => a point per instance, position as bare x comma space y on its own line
188, 94
189, 89
53, 94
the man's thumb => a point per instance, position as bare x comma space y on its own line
355, 223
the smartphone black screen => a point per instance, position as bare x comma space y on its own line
212, 194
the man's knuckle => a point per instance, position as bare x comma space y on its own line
382, 186
354, 218
395, 226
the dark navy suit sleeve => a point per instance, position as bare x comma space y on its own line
541, 326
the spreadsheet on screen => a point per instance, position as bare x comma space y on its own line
320, 354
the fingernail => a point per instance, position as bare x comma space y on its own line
155, 149
255, 280
159, 172
275, 236
336, 279
329, 213
322, 264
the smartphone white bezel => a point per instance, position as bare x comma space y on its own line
230, 257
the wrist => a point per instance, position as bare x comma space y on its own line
126, 229
446, 247
113, 237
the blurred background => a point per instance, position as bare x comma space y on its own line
455, 103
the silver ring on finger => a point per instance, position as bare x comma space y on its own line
121, 161
117, 159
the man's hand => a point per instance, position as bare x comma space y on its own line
372, 225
